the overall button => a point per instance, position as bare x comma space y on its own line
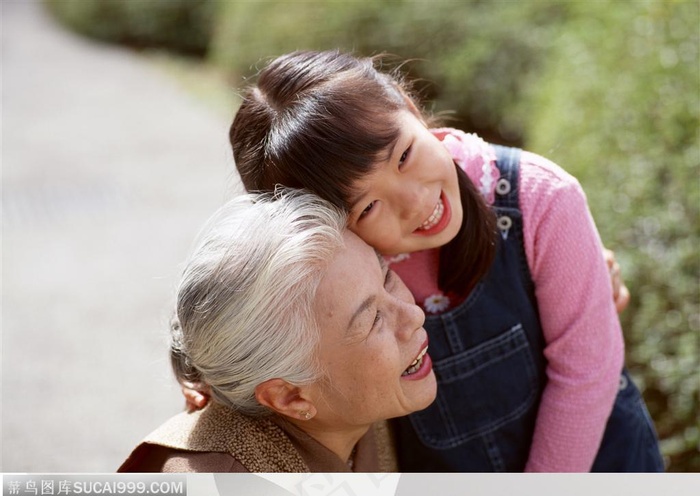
623, 382
504, 223
503, 186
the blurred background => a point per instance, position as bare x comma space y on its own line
104, 201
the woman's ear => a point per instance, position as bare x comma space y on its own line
284, 398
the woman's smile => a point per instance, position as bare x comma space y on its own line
420, 367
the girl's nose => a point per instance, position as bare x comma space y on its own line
409, 196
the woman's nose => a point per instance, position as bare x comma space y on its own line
410, 317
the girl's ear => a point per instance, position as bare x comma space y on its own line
284, 398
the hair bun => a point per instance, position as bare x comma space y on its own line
180, 361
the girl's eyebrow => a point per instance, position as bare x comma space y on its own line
392, 147
354, 198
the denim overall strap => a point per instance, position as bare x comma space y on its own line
488, 359
630, 442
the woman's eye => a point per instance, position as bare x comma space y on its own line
377, 318
367, 210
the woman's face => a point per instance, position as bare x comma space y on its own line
373, 345
411, 201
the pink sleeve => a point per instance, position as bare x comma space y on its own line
584, 345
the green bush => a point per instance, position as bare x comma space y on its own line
618, 104
456, 50
183, 26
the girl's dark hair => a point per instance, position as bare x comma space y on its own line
320, 121
467, 258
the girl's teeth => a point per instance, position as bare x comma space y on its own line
434, 218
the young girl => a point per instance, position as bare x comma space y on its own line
497, 245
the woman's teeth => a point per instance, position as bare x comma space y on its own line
434, 218
413, 368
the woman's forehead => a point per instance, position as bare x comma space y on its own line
356, 263
349, 289
358, 246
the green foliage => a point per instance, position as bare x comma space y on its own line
456, 50
618, 105
250, 32
179, 25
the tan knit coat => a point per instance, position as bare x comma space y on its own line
258, 444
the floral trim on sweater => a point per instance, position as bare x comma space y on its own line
475, 156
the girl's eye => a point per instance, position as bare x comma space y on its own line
366, 210
404, 156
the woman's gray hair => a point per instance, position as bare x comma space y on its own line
244, 310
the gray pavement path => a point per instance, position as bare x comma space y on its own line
108, 170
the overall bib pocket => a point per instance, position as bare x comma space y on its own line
479, 391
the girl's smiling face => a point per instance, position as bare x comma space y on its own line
411, 200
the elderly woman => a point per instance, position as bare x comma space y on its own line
305, 339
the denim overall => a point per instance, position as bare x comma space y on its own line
490, 366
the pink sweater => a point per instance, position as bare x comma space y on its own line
584, 345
